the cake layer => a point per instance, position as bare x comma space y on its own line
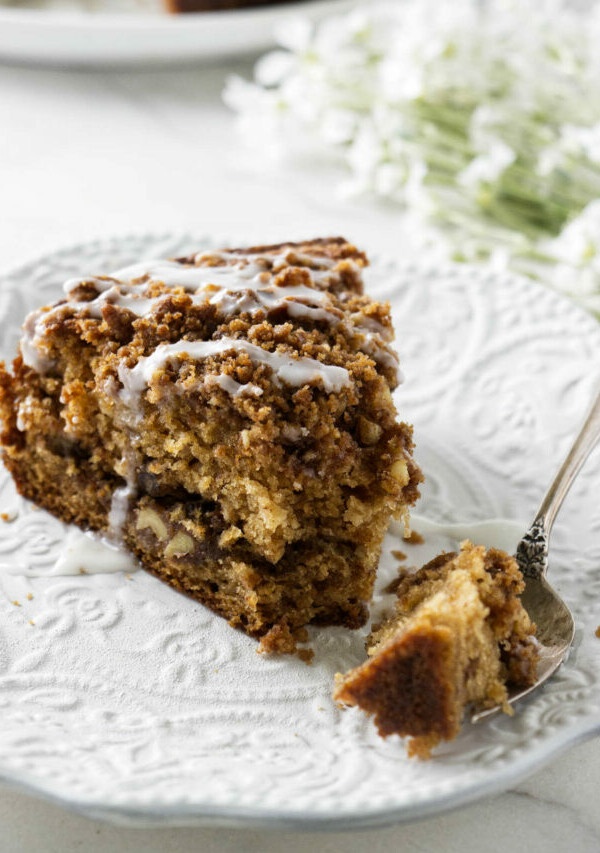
253, 381
188, 544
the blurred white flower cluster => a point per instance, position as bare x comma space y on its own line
483, 118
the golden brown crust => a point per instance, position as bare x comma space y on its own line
405, 687
337, 248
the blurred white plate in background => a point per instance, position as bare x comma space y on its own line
92, 33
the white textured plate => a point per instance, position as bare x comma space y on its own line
127, 701
49, 34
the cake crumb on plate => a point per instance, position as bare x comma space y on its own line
414, 538
280, 640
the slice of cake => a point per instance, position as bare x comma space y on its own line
178, 6
459, 635
228, 416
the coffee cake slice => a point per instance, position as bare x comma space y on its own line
228, 416
458, 636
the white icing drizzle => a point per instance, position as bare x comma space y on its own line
36, 322
379, 352
123, 495
241, 284
189, 278
286, 258
101, 284
299, 310
32, 349
232, 387
364, 321
269, 298
236, 272
119, 507
286, 369
137, 303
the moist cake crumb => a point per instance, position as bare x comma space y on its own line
228, 416
399, 555
301, 635
280, 640
459, 635
392, 586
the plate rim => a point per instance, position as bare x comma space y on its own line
184, 815
277, 820
111, 41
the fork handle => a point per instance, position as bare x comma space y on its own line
532, 550
579, 452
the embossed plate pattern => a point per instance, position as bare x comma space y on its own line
127, 701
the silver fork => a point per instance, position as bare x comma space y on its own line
555, 627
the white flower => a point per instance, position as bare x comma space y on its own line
365, 153
274, 67
480, 117
259, 114
390, 180
584, 141
295, 34
339, 126
487, 168
579, 242
577, 258
415, 193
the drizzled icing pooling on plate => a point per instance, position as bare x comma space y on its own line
81, 553
235, 283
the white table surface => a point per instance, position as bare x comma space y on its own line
85, 155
